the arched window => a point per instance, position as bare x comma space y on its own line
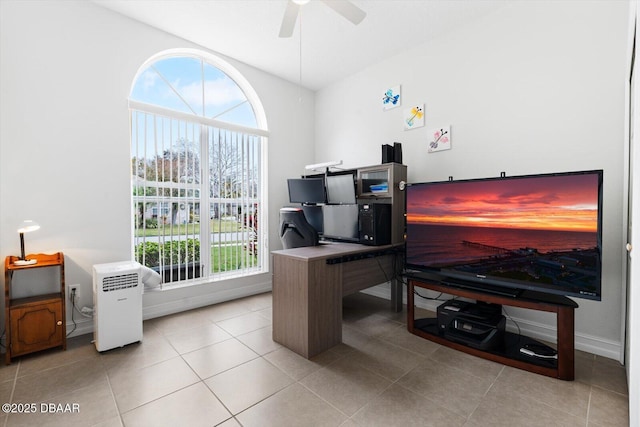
198, 138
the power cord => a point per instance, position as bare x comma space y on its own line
73, 307
517, 343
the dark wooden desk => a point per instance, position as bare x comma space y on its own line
309, 283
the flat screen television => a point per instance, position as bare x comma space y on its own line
308, 191
535, 232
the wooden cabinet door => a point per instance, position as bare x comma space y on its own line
36, 327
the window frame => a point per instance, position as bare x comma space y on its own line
260, 131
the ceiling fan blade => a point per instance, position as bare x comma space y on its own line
289, 19
347, 9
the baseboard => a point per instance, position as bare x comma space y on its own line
82, 326
197, 301
584, 342
85, 325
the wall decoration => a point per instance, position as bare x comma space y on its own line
439, 139
414, 117
391, 98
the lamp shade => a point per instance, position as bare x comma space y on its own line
28, 226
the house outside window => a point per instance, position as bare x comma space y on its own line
198, 170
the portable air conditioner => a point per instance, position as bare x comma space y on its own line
117, 303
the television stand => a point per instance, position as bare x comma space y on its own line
509, 353
489, 289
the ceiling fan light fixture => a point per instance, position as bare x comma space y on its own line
301, 2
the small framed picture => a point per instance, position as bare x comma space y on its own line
414, 117
439, 139
391, 98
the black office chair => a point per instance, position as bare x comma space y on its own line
295, 230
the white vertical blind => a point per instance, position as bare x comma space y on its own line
196, 198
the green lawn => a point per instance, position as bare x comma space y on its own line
217, 226
231, 257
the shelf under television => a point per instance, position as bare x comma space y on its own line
509, 353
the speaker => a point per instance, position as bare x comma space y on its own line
388, 153
374, 223
397, 152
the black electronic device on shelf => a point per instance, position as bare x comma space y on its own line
477, 325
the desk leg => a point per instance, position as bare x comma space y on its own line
396, 295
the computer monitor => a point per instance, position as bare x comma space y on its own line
341, 189
341, 222
306, 190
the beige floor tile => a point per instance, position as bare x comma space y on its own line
196, 338
294, 406
260, 341
610, 375
42, 385
473, 365
111, 422
385, 359
346, 385
247, 384
361, 304
179, 322
216, 358
583, 367
231, 422
150, 351
133, 388
568, 396
298, 367
405, 339
78, 348
82, 407
373, 325
447, 386
351, 339
6, 388
193, 406
608, 408
267, 313
244, 323
501, 407
8, 372
401, 407
258, 302
225, 310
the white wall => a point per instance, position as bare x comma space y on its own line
534, 87
66, 68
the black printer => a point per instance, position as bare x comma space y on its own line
479, 325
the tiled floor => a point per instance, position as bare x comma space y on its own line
218, 366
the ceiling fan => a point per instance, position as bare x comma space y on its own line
344, 7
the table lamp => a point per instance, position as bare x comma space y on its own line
27, 226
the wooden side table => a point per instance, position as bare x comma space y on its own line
36, 322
